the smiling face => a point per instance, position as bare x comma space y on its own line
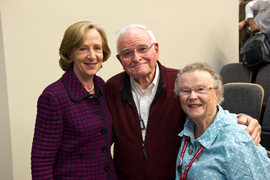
88, 58
198, 106
140, 66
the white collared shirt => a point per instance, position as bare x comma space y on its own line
263, 17
144, 98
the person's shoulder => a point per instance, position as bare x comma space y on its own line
172, 70
54, 86
52, 91
99, 80
58, 85
116, 78
230, 128
234, 131
165, 68
168, 71
233, 137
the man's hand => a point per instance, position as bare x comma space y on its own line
254, 128
253, 26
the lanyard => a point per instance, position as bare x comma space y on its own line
190, 163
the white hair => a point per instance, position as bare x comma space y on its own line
124, 29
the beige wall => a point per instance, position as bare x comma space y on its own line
5, 139
187, 31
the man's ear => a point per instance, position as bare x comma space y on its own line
118, 57
157, 47
157, 51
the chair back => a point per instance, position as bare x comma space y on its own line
263, 79
235, 72
244, 98
266, 116
265, 134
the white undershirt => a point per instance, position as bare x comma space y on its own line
144, 98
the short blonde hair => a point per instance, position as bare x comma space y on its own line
205, 67
73, 38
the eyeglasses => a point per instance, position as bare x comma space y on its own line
141, 50
197, 90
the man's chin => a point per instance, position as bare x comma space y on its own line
139, 75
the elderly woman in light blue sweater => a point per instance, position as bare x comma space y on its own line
213, 145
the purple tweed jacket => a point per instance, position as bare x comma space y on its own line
73, 133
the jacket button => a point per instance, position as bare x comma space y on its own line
103, 131
106, 168
105, 149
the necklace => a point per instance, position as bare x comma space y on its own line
92, 88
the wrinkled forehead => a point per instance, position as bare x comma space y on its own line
133, 36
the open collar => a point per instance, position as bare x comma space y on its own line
75, 89
209, 136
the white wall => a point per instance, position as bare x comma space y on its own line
187, 31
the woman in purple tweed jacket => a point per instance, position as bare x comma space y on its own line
73, 130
